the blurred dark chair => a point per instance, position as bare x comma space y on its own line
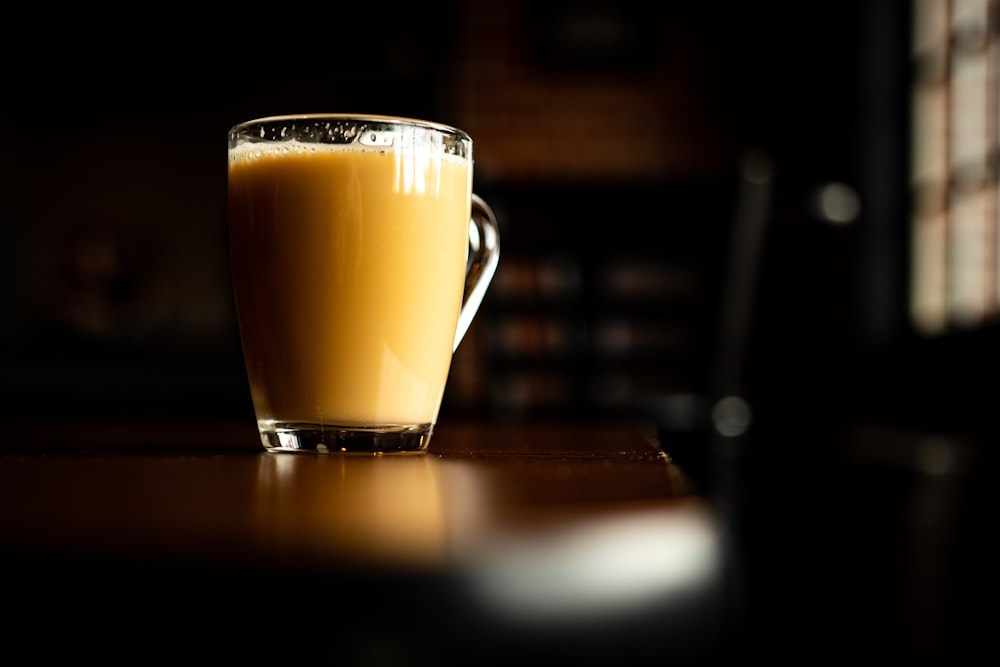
706, 433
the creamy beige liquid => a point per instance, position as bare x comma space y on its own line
349, 267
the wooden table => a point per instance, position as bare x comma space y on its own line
502, 542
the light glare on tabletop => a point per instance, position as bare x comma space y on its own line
601, 567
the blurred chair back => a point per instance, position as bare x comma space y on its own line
700, 431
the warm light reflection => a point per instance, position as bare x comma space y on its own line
615, 564
381, 509
418, 163
521, 558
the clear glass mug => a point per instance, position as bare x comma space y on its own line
360, 256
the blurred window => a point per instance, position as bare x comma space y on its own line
953, 176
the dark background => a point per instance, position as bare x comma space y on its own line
609, 136
609, 139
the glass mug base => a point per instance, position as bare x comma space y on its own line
333, 439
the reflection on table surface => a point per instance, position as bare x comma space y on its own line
539, 531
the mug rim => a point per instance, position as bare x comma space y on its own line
362, 117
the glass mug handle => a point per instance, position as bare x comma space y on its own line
484, 254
